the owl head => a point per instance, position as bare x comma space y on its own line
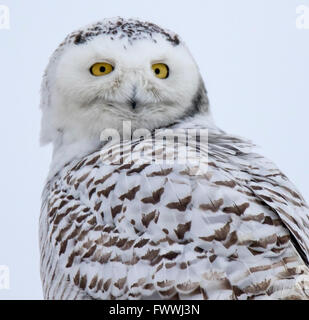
113, 71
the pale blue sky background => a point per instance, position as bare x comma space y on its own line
254, 60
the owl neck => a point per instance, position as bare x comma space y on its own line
65, 151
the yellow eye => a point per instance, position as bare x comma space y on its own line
101, 69
160, 70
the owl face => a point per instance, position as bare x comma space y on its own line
98, 80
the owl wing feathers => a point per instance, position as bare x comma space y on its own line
135, 230
275, 190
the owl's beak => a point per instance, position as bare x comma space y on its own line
132, 100
133, 103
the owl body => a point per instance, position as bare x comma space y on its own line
116, 223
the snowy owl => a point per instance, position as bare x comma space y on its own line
117, 229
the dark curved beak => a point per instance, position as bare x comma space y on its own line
132, 100
133, 103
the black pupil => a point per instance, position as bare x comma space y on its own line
157, 70
102, 69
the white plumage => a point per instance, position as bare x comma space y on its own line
117, 229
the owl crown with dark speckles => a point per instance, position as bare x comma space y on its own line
119, 28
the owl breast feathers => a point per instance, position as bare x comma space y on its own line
130, 230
